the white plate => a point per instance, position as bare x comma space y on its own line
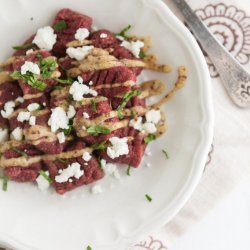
115, 219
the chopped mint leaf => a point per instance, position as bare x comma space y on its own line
45, 176
142, 54
47, 66
22, 153
25, 46
148, 198
93, 105
165, 153
124, 31
5, 180
65, 81
61, 25
99, 146
128, 170
96, 130
149, 138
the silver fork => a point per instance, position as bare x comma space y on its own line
234, 77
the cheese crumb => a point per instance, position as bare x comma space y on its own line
103, 35
85, 115
134, 46
136, 124
61, 137
81, 34
30, 67
97, 189
58, 119
79, 53
77, 90
3, 135
33, 106
119, 147
86, 156
17, 134
30, 51
153, 116
32, 121
73, 170
45, 38
42, 183
8, 109
71, 112
110, 169
19, 99
91, 83
23, 116
149, 127
79, 79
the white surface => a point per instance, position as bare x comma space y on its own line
33, 220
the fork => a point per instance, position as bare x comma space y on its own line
234, 77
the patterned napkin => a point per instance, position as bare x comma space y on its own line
228, 161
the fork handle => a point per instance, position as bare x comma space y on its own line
234, 77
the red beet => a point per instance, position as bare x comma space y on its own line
103, 42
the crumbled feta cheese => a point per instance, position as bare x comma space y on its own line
83, 128
136, 124
8, 109
61, 137
119, 147
60, 171
33, 106
79, 79
86, 156
70, 180
103, 35
121, 38
19, 99
79, 53
42, 183
30, 67
73, 170
45, 38
149, 127
97, 189
90, 83
110, 169
71, 112
148, 153
17, 134
81, 34
85, 163
94, 28
77, 90
32, 121
44, 104
148, 165
3, 135
30, 51
153, 116
23, 116
134, 46
58, 119
85, 115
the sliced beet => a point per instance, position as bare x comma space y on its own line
103, 39
9, 91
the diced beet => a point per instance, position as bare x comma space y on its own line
103, 42
52, 147
74, 21
23, 174
14, 123
135, 101
9, 91
3, 122
41, 100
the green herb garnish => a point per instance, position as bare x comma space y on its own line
5, 180
61, 25
30, 79
22, 153
88, 248
45, 176
25, 46
128, 170
47, 66
148, 197
124, 31
68, 131
65, 81
125, 100
57, 87
61, 160
165, 153
93, 105
142, 54
96, 130
99, 146
149, 138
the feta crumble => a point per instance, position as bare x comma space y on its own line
17, 134
42, 183
30, 67
8, 109
119, 147
23, 116
103, 35
85, 115
90, 83
30, 51
149, 127
79, 79
134, 46
81, 34
33, 106
97, 189
110, 169
32, 121
58, 119
86, 156
45, 38
61, 137
3, 135
79, 53
73, 170
136, 124
19, 99
71, 112
77, 90
153, 116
